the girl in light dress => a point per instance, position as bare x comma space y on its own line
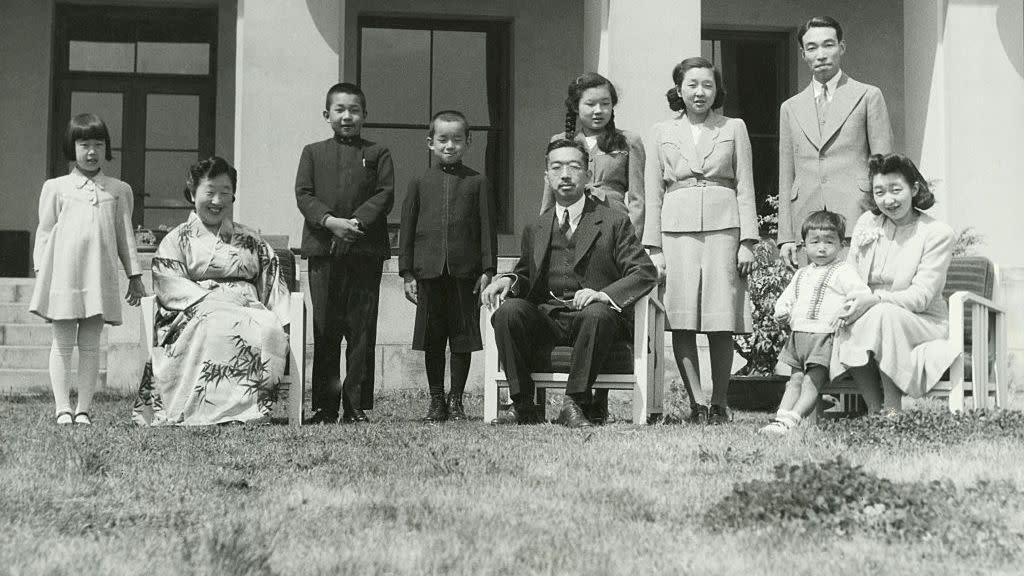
85, 228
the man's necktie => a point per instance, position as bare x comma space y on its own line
822, 105
565, 229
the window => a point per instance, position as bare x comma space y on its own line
755, 70
411, 68
150, 74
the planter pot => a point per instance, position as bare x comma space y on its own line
756, 393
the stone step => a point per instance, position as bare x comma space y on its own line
32, 335
21, 381
17, 313
16, 289
37, 357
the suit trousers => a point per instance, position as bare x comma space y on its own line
522, 330
345, 291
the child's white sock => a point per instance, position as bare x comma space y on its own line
89, 331
789, 418
784, 421
60, 362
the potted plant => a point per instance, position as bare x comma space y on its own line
756, 386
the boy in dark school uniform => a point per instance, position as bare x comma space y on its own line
449, 255
345, 187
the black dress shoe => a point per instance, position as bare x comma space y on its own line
718, 415
323, 417
355, 415
455, 409
525, 415
437, 412
698, 414
572, 416
597, 411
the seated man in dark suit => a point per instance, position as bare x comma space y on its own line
580, 270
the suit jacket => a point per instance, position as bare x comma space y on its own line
722, 156
921, 263
827, 167
609, 257
448, 218
354, 178
618, 175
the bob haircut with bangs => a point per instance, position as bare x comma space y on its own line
86, 127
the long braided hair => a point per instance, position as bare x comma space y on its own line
611, 138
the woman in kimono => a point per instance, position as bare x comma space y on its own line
223, 308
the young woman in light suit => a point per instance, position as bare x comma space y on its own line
893, 338
701, 226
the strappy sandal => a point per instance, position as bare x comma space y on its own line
83, 418
64, 418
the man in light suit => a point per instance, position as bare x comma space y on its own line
580, 270
826, 134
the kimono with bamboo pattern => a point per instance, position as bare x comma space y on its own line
222, 310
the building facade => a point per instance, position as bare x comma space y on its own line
245, 79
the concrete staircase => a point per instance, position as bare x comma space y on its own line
25, 343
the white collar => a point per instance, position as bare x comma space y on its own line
832, 84
575, 212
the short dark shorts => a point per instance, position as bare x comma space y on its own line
447, 309
804, 349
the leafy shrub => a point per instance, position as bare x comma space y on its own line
918, 427
761, 347
842, 499
966, 241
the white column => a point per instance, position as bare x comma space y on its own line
925, 93
964, 75
286, 59
983, 52
638, 43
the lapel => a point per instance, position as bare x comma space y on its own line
586, 231
807, 115
683, 136
848, 94
542, 240
709, 137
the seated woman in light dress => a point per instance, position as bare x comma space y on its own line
223, 308
893, 337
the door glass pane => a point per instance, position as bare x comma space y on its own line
476, 156
113, 167
101, 56
408, 152
172, 121
460, 74
165, 177
395, 74
174, 58
107, 105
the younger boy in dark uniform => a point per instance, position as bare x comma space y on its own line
345, 187
449, 254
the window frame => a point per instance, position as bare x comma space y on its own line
131, 24
499, 131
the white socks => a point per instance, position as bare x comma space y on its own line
785, 420
86, 334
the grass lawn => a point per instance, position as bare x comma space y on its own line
400, 497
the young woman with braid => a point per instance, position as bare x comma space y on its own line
616, 164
